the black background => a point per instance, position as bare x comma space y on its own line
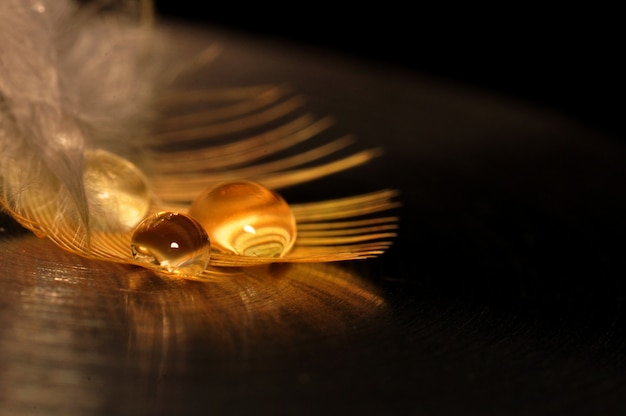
563, 58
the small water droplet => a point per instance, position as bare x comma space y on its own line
172, 242
117, 192
245, 218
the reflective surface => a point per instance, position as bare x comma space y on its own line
503, 294
80, 336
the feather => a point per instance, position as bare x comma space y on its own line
76, 79
70, 79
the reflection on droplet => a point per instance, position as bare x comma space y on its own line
117, 192
246, 218
172, 242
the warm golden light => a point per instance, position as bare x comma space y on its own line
245, 218
117, 192
171, 242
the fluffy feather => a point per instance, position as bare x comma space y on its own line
78, 78
70, 79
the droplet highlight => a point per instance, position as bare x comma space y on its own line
172, 242
117, 192
246, 218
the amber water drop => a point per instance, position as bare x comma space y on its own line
246, 218
172, 242
117, 192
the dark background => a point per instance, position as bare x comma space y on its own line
564, 59
504, 292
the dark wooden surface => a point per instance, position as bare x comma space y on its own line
503, 294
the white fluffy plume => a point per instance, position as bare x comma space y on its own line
70, 78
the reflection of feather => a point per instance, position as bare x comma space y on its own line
139, 335
75, 78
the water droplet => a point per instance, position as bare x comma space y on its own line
246, 218
172, 242
117, 192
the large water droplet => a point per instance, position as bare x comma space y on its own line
172, 242
117, 192
246, 218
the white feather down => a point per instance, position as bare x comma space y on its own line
70, 79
